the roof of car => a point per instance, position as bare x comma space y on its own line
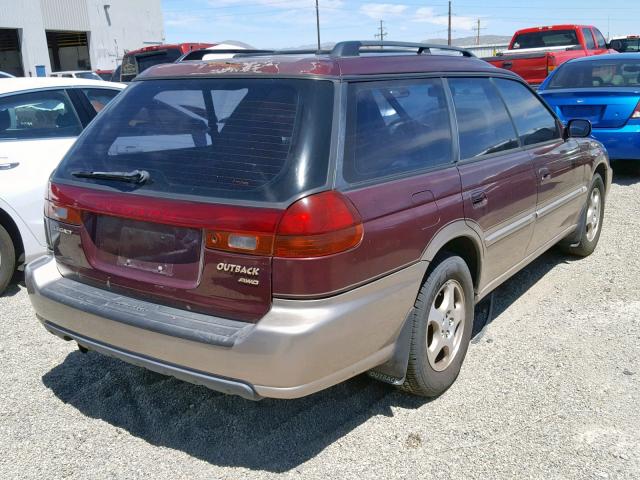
323, 65
11, 85
73, 71
607, 56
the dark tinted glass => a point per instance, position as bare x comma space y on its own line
249, 139
99, 97
597, 73
534, 122
627, 45
600, 41
396, 127
483, 122
588, 39
546, 38
46, 114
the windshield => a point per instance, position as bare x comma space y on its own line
597, 73
88, 75
546, 38
133, 65
248, 139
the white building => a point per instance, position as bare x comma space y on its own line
74, 34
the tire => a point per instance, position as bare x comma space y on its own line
7, 259
432, 370
590, 223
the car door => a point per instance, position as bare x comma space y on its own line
498, 181
559, 165
36, 130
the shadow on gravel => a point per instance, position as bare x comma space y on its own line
271, 435
515, 287
626, 172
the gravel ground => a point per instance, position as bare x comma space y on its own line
549, 389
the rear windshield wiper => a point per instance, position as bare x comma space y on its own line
134, 176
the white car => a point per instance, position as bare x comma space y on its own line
85, 74
40, 119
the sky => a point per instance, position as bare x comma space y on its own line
292, 23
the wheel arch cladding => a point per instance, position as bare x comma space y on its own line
601, 169
12, 229
464, 247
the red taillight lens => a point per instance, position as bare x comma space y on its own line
318, 225
636, 112
63, 213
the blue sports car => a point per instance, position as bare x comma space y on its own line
604, 89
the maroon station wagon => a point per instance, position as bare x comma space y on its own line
271, 225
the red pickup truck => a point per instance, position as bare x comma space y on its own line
534, 52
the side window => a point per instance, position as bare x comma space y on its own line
535, 124
99, 97
45, 114
484, 125
588, 39
602, 43
66, 75
396, 127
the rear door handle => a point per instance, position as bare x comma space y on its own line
478, 199
545, 174
8, 166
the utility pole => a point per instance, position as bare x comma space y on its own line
318, 24
449, 29
478, 29
381, 33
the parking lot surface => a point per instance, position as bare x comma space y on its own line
549, 389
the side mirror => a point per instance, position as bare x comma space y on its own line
577, 128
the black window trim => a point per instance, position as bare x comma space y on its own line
341, 183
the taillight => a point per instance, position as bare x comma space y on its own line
314, 226
63, 213
636, 112
551, 64
242, 242
318, 225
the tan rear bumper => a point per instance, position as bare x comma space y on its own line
297, 348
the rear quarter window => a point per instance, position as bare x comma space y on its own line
396, 127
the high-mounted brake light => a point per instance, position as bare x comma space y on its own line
318, 225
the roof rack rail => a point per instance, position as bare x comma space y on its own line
199, 54
352, 48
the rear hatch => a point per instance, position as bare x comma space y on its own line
176, 191
603, 108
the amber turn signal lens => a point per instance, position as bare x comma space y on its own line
63, 213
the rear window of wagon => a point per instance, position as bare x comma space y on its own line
264, 140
